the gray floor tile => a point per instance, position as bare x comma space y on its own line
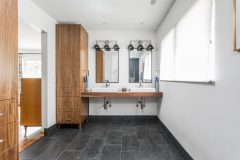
70, 155
114, 137
129, 143
116, 125
100, 132
78, 143
111, 152
139, 138
93, 149
51, 152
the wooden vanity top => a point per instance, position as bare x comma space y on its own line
121, 94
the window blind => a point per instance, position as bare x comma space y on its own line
187, 50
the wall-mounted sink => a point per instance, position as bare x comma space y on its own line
142, 89
102, 89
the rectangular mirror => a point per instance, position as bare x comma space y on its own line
140, 66
107, 66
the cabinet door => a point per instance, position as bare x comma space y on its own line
8, 49
8, 111
8, 136
68, 55
83, 56
68, 115
10, 154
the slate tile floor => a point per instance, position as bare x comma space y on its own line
109, 138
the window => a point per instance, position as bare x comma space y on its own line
187, 50
30, 66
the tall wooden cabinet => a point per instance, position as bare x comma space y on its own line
8, 79
71, 67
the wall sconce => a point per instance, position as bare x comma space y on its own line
106, 45
116, 47
97, 47
130, 47
140, 45
150, 47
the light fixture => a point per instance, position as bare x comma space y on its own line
116, 47
130, 47
140, 46
150, 47
106, 46
97, 47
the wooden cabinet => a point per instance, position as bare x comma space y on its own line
31, 112
8, 136
10, 154
71, 67
8, 49
8, 111
8, 79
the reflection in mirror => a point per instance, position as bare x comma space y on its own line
140, 66
107, 66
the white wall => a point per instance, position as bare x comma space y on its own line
205, 118
29, 37
36, 17
121, 106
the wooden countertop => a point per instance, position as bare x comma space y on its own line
121, 94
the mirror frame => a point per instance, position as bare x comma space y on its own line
96, 69
235, 16
151, 68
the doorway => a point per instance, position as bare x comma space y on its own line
30, 84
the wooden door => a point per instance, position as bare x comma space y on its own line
31, 112
8, 49
8, 79
68, 55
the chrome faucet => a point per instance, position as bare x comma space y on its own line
107, 83
140, 84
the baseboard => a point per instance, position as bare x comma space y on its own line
51, 130
178, 146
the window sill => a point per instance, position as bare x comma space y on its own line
196, 82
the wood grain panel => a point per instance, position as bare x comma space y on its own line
72, 66
83, 56
69, 117
8, 111
68, 55
10, 154
121, 94
8, 136
8, 49
68, 91
31, 112
61, 101
100, 78
8, 79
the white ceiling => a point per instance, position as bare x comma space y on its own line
29, 38
108, 14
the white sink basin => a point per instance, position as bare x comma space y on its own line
104, 89
142, 89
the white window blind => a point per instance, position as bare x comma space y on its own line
186, 51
